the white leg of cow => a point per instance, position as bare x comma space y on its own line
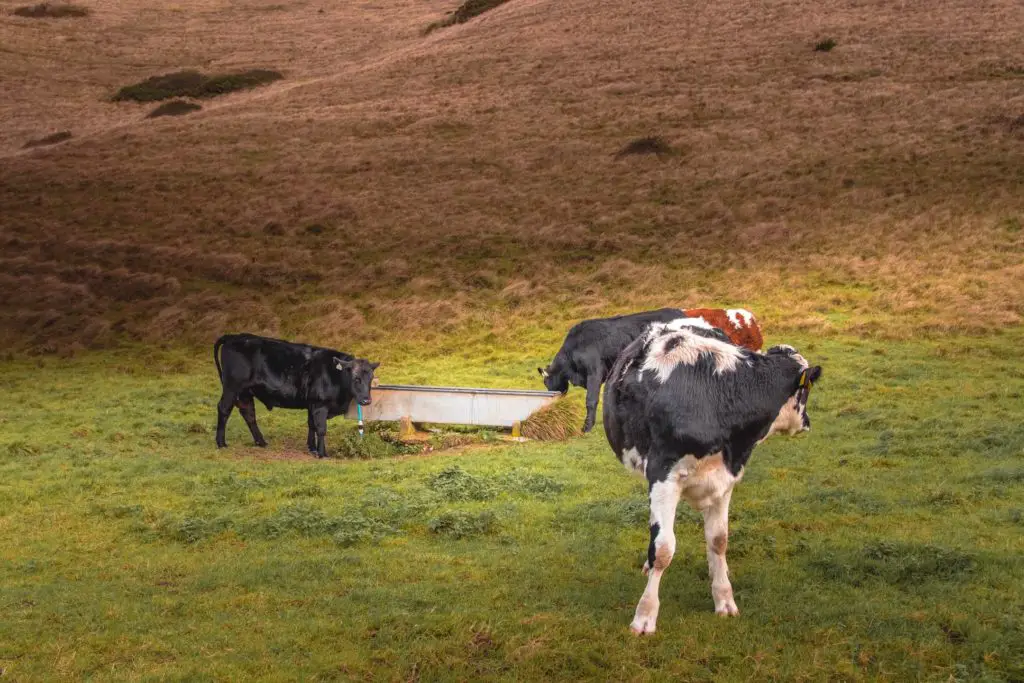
716, 533
664, 499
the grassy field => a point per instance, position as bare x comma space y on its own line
448, 203
884, 544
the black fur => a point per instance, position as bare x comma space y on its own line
590, 350
697, 411
284, 374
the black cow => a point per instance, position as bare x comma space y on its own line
590, 350
284, 374
686, 409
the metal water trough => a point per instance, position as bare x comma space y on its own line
410, 403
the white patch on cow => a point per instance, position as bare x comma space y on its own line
688, 351
634, 462
790, 419
794, 353
740, 317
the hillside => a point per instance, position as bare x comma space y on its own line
469, 180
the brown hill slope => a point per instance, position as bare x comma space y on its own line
432, 184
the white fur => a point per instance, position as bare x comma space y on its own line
739, 317
663, 362
634, 462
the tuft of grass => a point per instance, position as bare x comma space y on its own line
371, 446
194, 84
165, 86
455, 484
223, 84
51, 139
464, 12
825, 45
647, 145
48, 10
18, 449
893, 562
559, 420
174, 108
462, 524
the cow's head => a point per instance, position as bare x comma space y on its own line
361, 373
793, 417
555, 378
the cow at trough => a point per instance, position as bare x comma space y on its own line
685, 409
591, 347
284, 374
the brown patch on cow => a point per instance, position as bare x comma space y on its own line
662, 557
746, 334
719, 544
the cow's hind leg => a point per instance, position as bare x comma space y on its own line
594, 379
664, 499
310, 432
716, 534
247, 407
224, 408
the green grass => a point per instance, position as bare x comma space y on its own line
885, 544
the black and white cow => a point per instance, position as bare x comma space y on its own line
590, 350
284, 374
685, 409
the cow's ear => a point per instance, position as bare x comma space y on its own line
374, 366
342, 364
814, 374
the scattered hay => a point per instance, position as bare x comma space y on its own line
648, 145
194, 84
46, 10
557, 421
466, 11
174, 108
49, 139
825, 45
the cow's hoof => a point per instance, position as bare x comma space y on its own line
222, 445
644, 626
727, 609
587, 428
261, 444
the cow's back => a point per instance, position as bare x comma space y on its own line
607, 337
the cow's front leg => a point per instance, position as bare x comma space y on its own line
310, 432
716, 534
664, 499
247, 407
224, 408
319, 414
593, 395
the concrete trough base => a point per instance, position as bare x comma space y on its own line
409, 403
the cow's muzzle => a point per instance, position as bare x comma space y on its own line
364, 402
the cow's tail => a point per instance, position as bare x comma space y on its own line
216, 357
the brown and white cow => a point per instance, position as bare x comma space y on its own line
739, 324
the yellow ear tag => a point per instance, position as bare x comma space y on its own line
803, 379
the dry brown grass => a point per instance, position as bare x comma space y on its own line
467, 182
